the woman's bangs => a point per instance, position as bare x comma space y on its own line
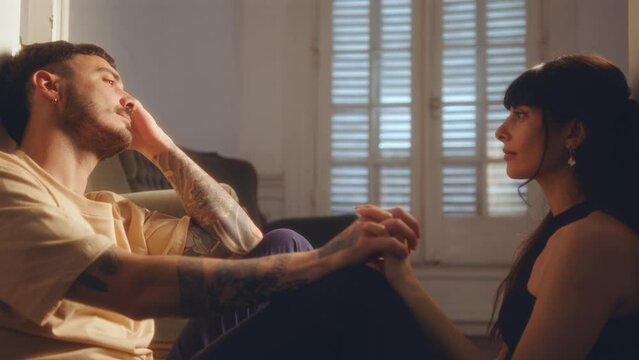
524, 90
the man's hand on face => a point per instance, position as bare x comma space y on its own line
148, 138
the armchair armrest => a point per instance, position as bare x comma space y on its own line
165, 201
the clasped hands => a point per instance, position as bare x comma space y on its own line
399, 225
395, 223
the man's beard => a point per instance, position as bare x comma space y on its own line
81, 120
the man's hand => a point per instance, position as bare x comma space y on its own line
148, 138
394, 220
388, 219
368, 238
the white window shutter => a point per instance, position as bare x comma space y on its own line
479, 60
371, 123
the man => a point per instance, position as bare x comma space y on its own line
77, 281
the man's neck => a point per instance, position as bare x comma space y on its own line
57, 155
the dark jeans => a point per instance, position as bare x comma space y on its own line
350, 314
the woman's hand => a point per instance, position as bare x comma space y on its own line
398, 271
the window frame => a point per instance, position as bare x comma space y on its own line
374, 108
464, 240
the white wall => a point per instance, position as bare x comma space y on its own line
277, 123
179, 58
586, 26
9, 26
261, 82
9, 42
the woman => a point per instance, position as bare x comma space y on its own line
573, 291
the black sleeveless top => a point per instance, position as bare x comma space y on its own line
620, 336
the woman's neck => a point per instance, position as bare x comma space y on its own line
562, 190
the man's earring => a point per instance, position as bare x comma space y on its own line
571, 159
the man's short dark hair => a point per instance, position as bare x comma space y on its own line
15, 72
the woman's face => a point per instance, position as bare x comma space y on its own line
523, 136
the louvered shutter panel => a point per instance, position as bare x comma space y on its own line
478, 63
371, 104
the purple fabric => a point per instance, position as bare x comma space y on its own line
200, 332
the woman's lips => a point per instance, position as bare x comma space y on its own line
509, 154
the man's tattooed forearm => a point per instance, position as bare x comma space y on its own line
193, 185
343, 240
107, 264
207, 202
233, 284
191, 280
201, 243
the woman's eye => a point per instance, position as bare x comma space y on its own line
520, 115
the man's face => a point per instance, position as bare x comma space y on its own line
95, 113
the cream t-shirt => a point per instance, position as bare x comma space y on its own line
48, 236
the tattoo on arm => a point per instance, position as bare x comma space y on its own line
106, 265
207, 202
201, 243
191, 280
234, 283
342, 241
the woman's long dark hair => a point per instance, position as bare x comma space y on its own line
592, 90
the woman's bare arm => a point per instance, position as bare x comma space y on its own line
435, 324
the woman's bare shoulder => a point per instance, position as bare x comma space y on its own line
599, 255
598, 231
598, 242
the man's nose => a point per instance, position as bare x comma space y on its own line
128, 102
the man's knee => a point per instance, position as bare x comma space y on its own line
281, 241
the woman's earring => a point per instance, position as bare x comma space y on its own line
54, 101
571, 159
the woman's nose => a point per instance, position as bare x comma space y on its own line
501, 132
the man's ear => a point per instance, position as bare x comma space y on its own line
47, 84
576, 134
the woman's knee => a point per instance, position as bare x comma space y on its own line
281, 241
